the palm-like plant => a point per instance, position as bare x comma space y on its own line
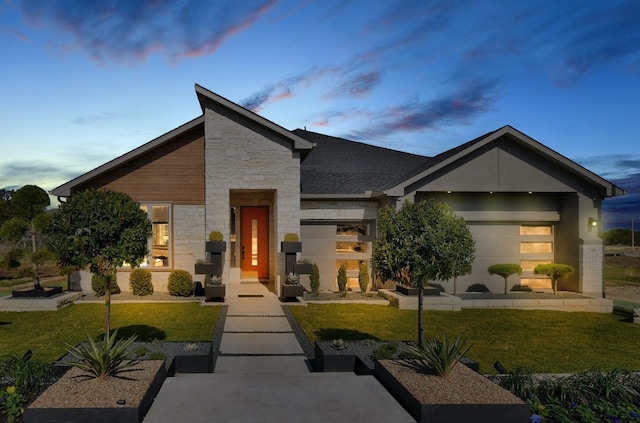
441, 356
102, 359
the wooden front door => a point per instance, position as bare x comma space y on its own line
255, 242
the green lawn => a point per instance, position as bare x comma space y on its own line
543, 341
46, 332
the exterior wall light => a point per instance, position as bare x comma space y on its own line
593, 223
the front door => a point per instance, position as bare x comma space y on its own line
255, 242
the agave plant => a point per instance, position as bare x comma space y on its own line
102, 359
441, 356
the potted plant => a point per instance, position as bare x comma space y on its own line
214, 288
303, 267
204, 267
291, 288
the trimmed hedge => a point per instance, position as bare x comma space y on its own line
98, 283
180, 283
140, 282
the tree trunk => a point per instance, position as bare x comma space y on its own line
505, 285
420, 324
107, 307
36, 270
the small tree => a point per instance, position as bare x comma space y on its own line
29, 202
363, 277
555, 271
419, 243
505, 270
100, 229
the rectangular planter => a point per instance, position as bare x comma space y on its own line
32, 293
451, 413
215, 246
428, 291
327, 360
303, 268
215, 291
118, 413
291, 291
290, 247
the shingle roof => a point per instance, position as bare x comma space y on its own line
340, 166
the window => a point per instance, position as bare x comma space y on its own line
529, 265
351, 264
536, 247
351, 229
535, 230
351, 247
160, 241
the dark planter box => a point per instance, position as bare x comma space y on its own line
205, 268
428, 291
33, 293
124, 413
291, 247
215, 291
202, 363
215, 246
291, 291
303, 268
451, 413
327, 359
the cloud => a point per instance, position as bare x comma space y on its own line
621, 169
41, 173
356, 85
454, 109
95, 118
129, 31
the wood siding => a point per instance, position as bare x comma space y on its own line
173, 172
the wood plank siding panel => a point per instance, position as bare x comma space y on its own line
172, 172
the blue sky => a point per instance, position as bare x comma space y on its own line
84, 82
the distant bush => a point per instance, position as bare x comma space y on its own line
98, 284
291, 237
140, 282
180, 283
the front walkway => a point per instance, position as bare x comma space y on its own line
262, 374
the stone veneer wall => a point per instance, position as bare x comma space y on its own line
240, 158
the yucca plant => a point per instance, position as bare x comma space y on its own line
441, 356
102, 359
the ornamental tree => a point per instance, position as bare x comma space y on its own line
419, 243
100, 230
505, 270
555, 271
30, 203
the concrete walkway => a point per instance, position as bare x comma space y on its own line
262, 375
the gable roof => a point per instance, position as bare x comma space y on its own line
209, 99
206, 99
66, 189
339, 166
606, 188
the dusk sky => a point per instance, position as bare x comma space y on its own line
86, 81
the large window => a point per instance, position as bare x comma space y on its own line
160, 242
536, 247
353, 245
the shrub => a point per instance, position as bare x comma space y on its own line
25, 374
215, 236
342, 279
363, 277
505, 270
555, 271
98, 283
101, 359
314, 279
291, 237
140, 282
291, 279
180, 283
386, 351
442, 356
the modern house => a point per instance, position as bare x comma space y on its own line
233, 171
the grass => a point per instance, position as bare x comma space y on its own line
46, 332
544, 341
